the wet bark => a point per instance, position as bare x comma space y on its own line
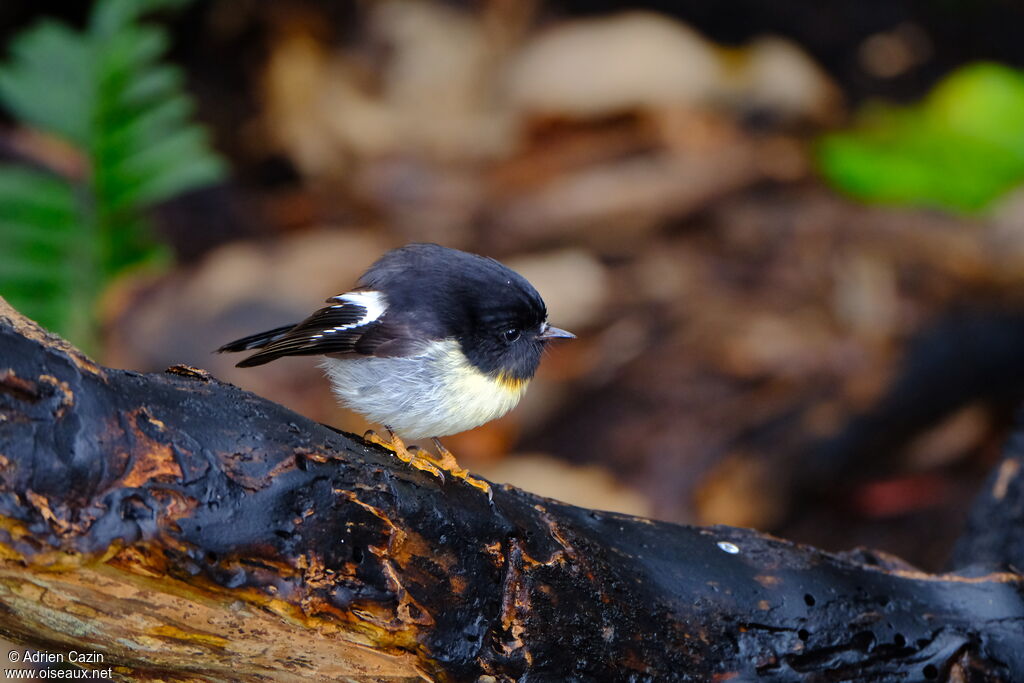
190, 530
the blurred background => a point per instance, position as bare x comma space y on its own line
789, 235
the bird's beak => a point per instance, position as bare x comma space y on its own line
549, 332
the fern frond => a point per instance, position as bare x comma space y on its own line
48, 83
39, 227
106, 92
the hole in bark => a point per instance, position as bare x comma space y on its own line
899, 640
809, 599
803, 634
864, 641
357, 555
930, 672
211, 557
472, 637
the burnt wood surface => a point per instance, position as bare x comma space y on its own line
189, 530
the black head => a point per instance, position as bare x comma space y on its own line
498, 318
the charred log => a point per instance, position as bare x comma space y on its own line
190, 530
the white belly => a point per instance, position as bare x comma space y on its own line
434, 394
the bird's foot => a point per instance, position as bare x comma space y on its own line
414, 456
446, 461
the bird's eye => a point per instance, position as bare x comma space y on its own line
511, 334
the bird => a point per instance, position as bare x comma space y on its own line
432, 341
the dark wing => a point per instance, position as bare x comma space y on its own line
255, 341
349, 326
334, 329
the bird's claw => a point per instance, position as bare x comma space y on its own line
446, 461
421, 460
414, 456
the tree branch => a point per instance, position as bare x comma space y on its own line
189, 530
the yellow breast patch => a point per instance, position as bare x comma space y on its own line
481, 397
515, 385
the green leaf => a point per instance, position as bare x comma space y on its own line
149, 87
35, 199
38, 215
18, 232
48, 84
984, 102
960, 149
128, 53
111, 16
175, 164
124, 133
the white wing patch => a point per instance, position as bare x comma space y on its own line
374, 303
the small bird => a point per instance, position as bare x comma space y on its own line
432, 341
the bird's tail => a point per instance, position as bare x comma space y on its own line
255, 341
